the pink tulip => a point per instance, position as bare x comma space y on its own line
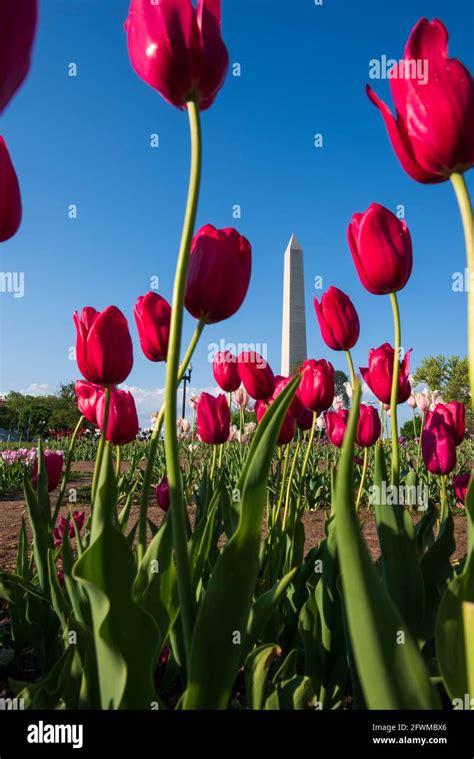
53, 461
433, 133
241, 398
18, 20
162, 493
104, 349
177, 49
224, 368
122, 426
10, 198
213, 419
87, 396
461, 485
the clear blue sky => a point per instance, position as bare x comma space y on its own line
85, 140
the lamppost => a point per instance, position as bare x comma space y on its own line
186, 378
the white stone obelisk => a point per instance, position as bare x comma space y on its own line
293, 341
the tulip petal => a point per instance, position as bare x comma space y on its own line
400, 143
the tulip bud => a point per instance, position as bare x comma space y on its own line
369, 426
461, 485
336, 424
256, 375
87, 396
338, 320
213, 419
226, 374
122, 426
10, 198
104, 349
153, 319
53, 461
17, 31
433, 133
378, 375
438, 449
177, 49
316, 389
412, 401
422, 401
381, 248
163, 494
241, 397
218, 277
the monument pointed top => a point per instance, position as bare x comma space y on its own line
294, 243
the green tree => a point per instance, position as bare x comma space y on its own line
408, 429
33, 416
449, 375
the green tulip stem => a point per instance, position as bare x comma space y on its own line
282, 483
308, 449
362, 479
186, 597
101, 446
142, 520
394, 392
214, 458
464, 201
118, 460
351, 368
67, 469
290, 482
418, 456
444, 499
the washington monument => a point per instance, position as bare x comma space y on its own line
293, 338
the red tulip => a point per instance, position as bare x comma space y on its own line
458, 413
305, 419
10, 198
256, 375
378, 375
104, 347
438, 449
433, 133
461, 485
218, 277
53, 461
213, 419
287, 429
381, 248
296, 407
338, 320
369, 426
316, 389
452, 415
336, 423
87, 396
226, 374
122, 426
178, 50
58, 532
153, 319
163, 494
17, 32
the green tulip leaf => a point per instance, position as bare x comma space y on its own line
392, 672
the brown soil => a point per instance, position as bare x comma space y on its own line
12, 508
